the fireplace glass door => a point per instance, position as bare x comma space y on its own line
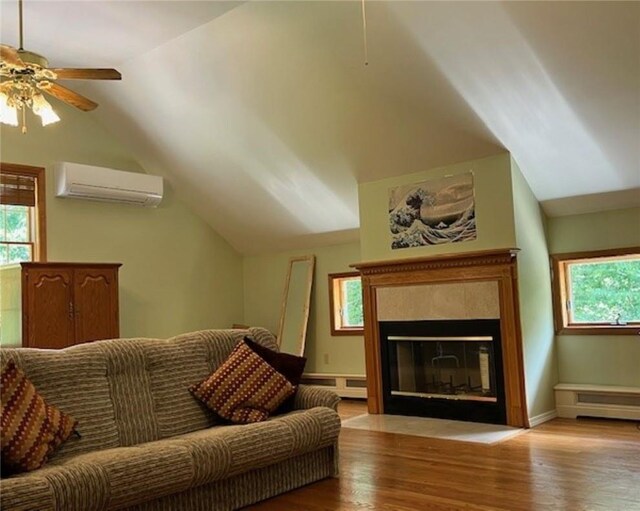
443, 367
449, 369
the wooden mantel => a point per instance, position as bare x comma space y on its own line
498, 266
484, 257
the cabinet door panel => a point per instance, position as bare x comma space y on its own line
49, 319
95, 304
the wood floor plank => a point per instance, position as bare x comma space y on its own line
563, 465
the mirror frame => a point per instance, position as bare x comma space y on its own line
303, 331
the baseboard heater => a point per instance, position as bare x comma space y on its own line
345, 385
610, 401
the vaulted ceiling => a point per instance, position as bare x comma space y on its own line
264, 118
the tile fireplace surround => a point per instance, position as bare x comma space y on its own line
467, 286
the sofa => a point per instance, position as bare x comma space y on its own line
146, 444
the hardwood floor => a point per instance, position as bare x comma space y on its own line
564, 465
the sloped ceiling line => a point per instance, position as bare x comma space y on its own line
264, 119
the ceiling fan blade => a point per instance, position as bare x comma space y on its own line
9, 55
86, 74
68, 96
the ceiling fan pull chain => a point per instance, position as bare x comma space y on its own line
20, 18
24, 120
364, 34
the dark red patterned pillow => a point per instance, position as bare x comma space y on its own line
244, 388
31, 429
290, 366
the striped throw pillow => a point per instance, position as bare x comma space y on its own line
244, 388
31, 429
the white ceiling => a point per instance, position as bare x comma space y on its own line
264, 118
86, 32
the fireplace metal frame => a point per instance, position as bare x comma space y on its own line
450, 407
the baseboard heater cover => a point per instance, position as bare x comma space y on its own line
345, 385
609, 401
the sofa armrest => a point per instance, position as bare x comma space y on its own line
309, 397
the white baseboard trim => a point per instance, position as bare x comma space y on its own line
536, 420
606, 412
608, 401
345, 385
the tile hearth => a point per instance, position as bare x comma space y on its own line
443, 429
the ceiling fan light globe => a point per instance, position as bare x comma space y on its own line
8, 113
42, 108
49, 117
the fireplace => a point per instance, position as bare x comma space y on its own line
449, 369
442, 337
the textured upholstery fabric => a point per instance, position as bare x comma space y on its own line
245, 388
129, 476
73, 380
247, 488
309, 397
156, 450
27, 494
31, 429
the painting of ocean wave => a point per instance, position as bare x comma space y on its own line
433, 212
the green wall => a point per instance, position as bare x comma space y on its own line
177, 275
508, 215
597, 359
494, 211
10, 306
264, 278
536, 311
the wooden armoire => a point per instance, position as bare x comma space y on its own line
69, 303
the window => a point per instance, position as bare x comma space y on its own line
597, 292
22, 208
345, 300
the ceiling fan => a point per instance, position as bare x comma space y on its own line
25, 75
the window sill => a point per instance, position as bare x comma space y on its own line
600, 330
347, 331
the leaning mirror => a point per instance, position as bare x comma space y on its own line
295, 305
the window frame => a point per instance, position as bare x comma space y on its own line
39, 251
561, 289
335, 302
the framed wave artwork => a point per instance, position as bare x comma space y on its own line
433, 212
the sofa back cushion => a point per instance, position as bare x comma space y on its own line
183, 361
32, 429
75, 381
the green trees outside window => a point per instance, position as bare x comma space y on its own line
605, 292
16, 243
352, 313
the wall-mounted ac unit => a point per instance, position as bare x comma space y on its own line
77, 181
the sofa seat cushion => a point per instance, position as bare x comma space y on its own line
224, 451
109, 479
26, 492
127, 476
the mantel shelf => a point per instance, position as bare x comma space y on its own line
465, 259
